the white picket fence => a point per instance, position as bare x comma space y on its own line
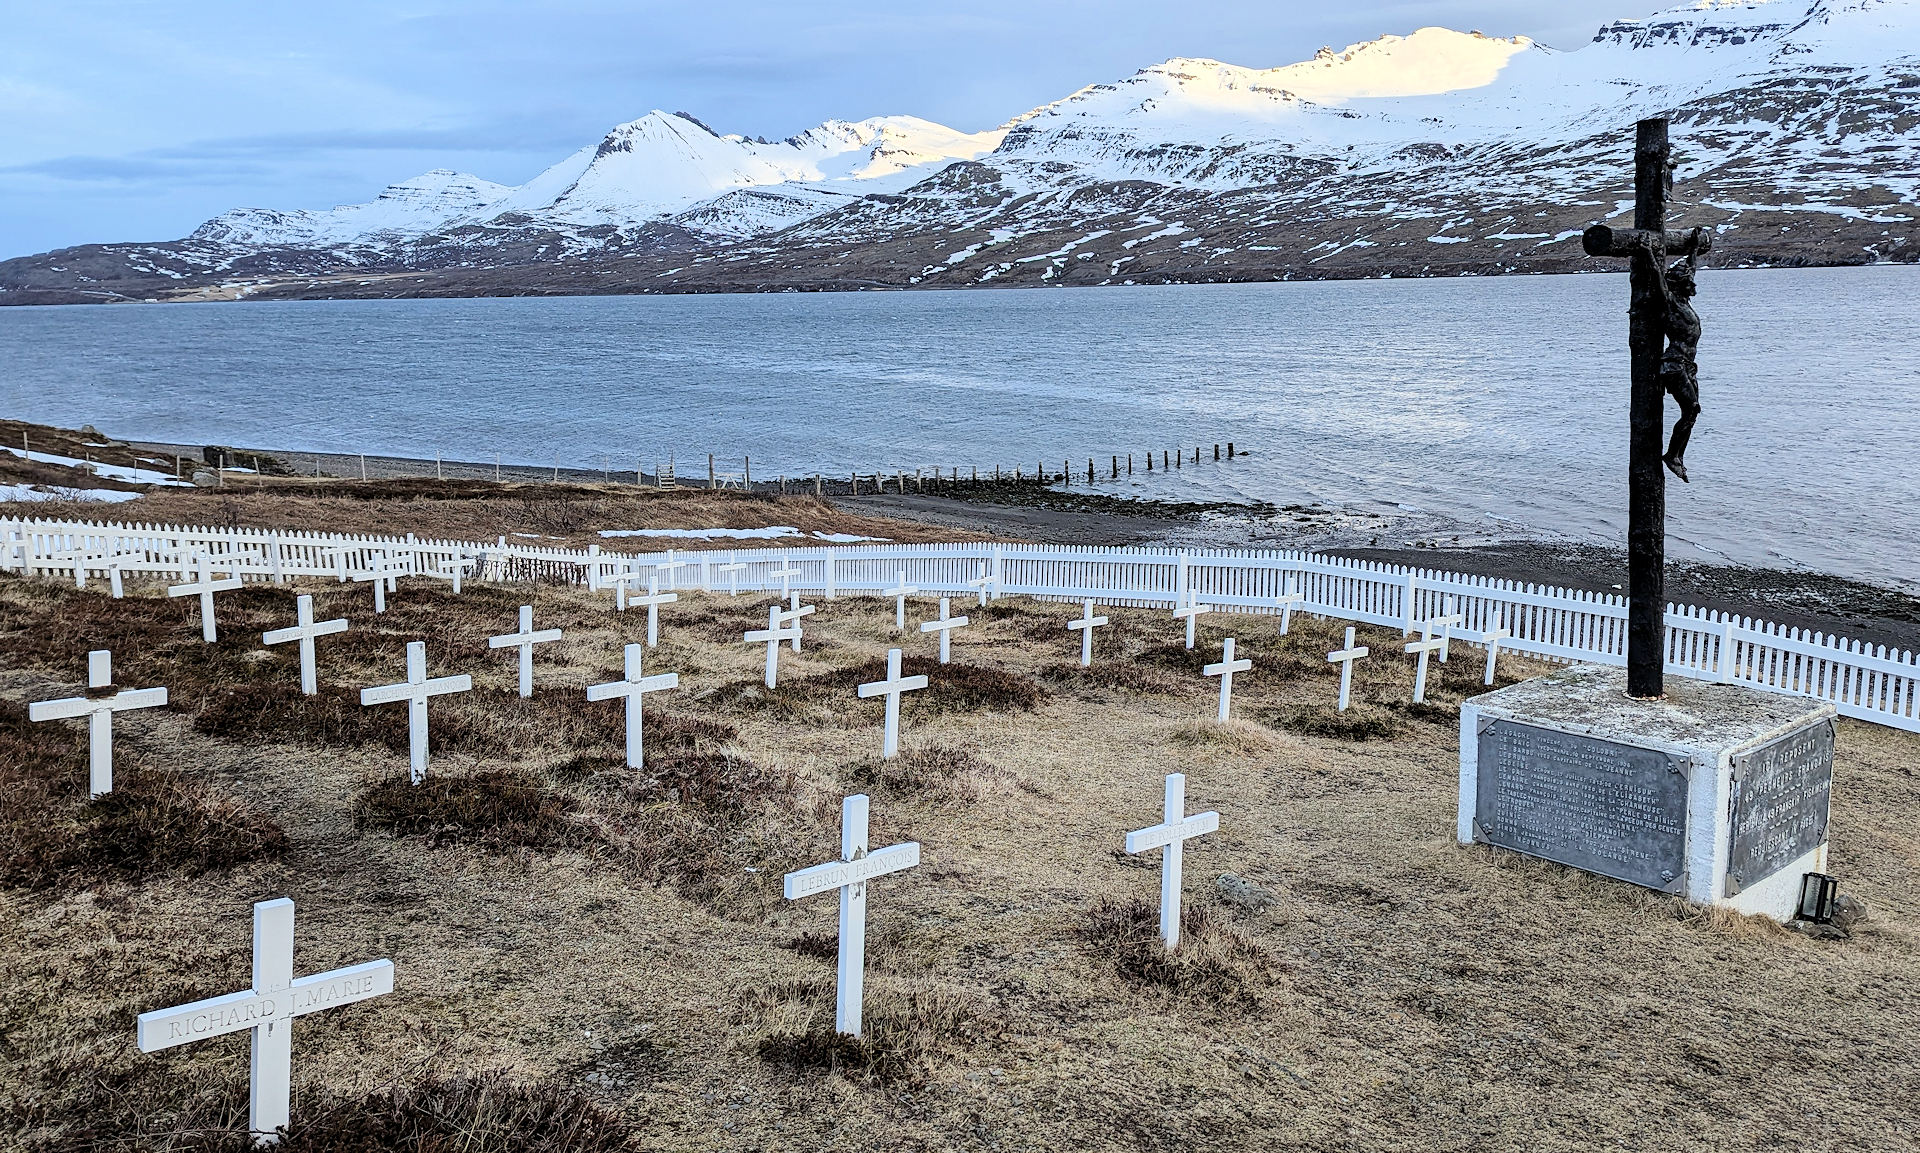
1862, 681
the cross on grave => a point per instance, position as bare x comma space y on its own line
653, 600
732, 572
1225, 670
1492, 638
944, 626
672, 567
1444, 625
1345, 658
982, 582
772, 635
204, 588
621, 578
1169, 836
900, 591
631, 688
384, 574
891, 688
306, 631
786, 572
524, 640
850, 875
1427, 645
1288, 602
1086, 625
793, 615
1192, 611
268, 1009
99, 713
451, 570
415, 690
1663, 332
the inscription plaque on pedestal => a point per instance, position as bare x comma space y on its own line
1781, 795
1608, 808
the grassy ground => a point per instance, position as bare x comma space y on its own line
590, 957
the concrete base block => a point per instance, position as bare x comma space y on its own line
1719, 793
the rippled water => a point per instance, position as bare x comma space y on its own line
1487, 401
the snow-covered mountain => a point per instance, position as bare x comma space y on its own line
651, 168
1797, 127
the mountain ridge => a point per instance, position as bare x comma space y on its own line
1433, 153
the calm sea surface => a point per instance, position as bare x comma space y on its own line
1495, 403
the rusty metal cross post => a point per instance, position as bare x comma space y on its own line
1648, 247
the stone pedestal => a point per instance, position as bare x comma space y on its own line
1718, 793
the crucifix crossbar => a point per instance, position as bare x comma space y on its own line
99, 713
268, 1010
1169, 836
631, 688
416, 690
524, 640
306, 631
1086, 624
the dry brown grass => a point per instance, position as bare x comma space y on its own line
1215, 962
1405, 994
499, 808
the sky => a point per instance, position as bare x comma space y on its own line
128, 120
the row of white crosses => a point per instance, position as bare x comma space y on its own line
859, 865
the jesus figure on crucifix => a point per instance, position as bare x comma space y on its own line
1679, 372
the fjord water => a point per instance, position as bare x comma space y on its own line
1500, 403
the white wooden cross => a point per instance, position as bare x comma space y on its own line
982, 582
415, 690
1492, 638
1086, 625
732, 572
623, 576
891, 688
786, 572
772, 635
1427, 645
653, 600
671, 566
1445, 624
384, 574
850, 875
1287, 603
1192, 610
1225, 670
944, 626
1345, 658
305, 632
1169, 836
268, 1009
204, 588
451, 569
524, 640
793, 615
99, 713
900, 591
631, 688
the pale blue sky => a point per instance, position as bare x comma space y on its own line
138, 119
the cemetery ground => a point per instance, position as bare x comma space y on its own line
594, 957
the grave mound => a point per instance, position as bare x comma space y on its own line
907, 1024
1215, 961
498, 809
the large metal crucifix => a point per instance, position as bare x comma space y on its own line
1662, 333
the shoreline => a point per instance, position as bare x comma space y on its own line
1028, 511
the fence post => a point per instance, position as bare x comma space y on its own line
830, 574
1407, 625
